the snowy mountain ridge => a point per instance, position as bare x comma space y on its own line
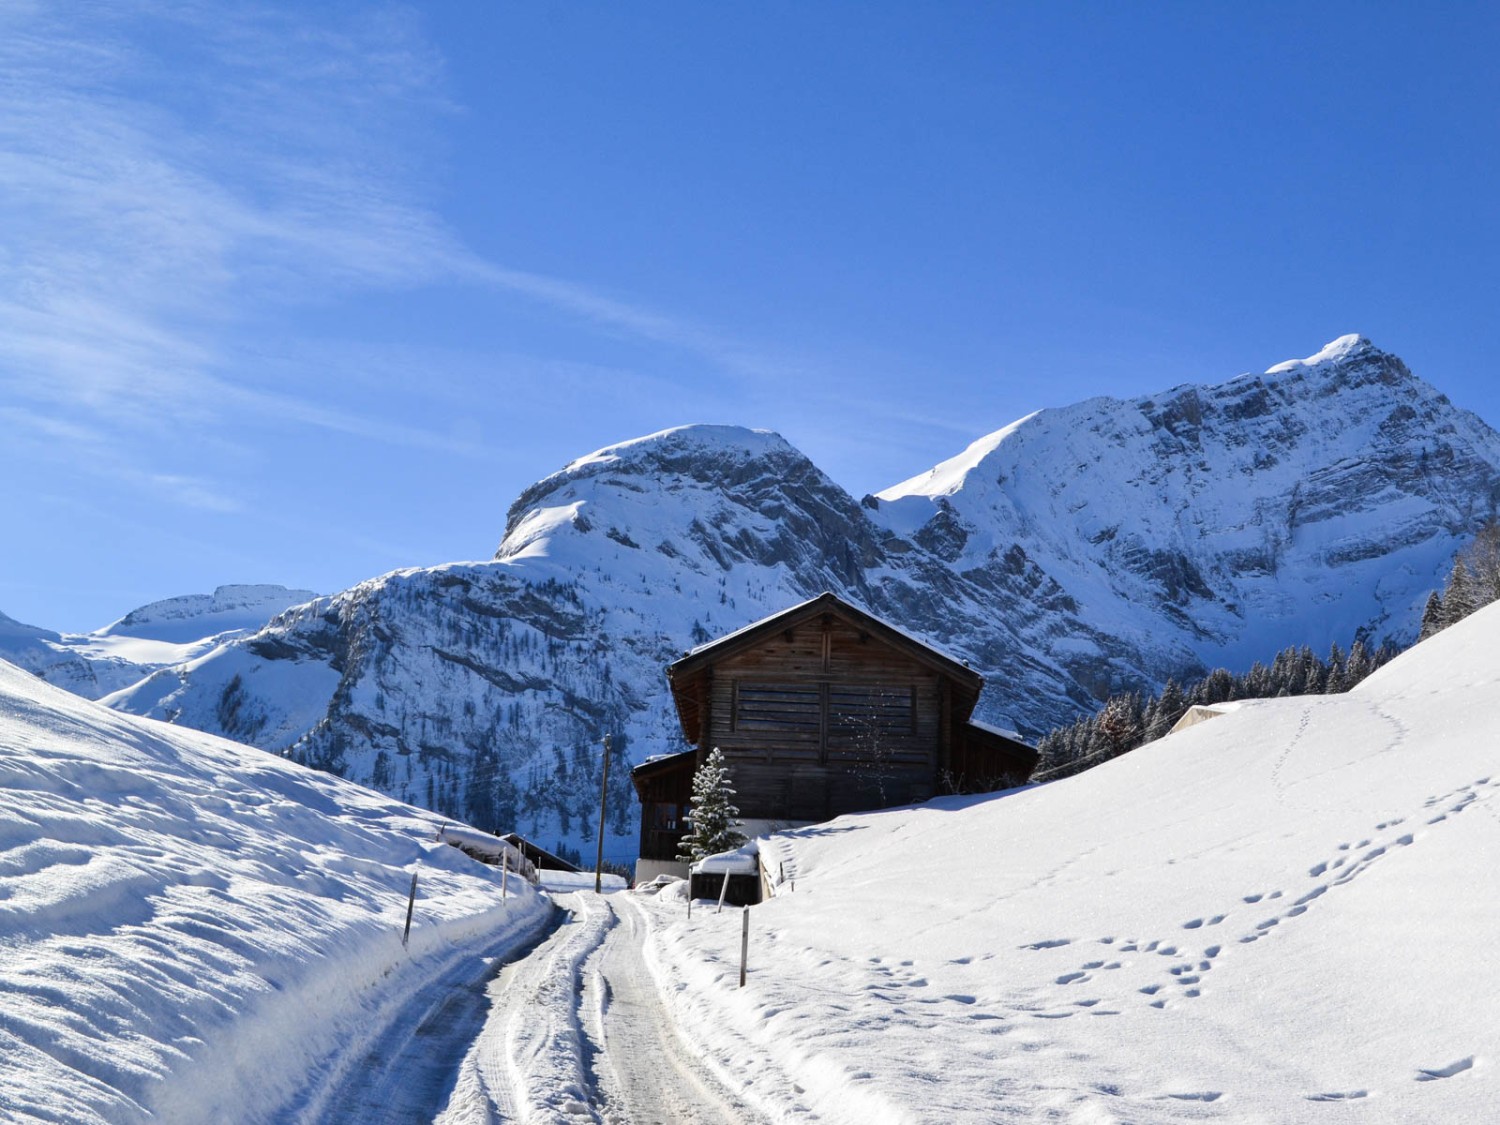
172, 631
1078, 551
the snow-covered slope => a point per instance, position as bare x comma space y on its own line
191, 926
1077, 552
157, 635
1285, 914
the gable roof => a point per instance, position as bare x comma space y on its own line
686, 670
826, 602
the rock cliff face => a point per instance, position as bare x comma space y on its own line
1293, 507
1077, 551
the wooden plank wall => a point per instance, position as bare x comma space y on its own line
824, 719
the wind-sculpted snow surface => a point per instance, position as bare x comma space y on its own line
190, 925
1283, 914
1081, 551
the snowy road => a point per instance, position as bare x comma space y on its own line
573, 1030
648, 1073
405, 1068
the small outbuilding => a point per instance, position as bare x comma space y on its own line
542, 859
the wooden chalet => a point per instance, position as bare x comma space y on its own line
820, 710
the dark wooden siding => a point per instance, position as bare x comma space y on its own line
824, 719
666, 791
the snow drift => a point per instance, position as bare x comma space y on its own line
190, 925
1283, 914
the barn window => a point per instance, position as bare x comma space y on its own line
665, 815
782, 707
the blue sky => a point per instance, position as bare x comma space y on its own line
304, 293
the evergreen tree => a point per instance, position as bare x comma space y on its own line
1434, 616
1458, 596
1119, 725
712, 815
1358, 666
1335, 684
1481, 559
1167, 710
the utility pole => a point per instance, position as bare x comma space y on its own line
603, 794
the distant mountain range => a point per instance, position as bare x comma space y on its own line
158, 635
1080, 550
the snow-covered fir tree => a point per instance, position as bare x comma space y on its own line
714, 827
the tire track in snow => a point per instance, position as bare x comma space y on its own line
652, 1074
408, 1067
577, 1032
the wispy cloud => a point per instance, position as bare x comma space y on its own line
176, 175
150, 196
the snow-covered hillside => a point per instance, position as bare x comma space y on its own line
157, 635
1080, 551
194, 931
1285, 914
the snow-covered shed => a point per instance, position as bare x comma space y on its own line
820, 710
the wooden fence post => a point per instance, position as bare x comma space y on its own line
411, 902
723, 890
744, 944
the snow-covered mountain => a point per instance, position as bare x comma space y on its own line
1285, 914
1078, 551
1293, 507
196, 931
157, 635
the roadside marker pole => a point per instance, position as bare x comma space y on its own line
603, 793
724, 890
744, 944
504, 873
411, 902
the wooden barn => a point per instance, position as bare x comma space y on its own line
820, 710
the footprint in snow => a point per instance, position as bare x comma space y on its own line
1338, 1096
1448, 1071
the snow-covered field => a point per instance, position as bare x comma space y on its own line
195, 931
1286, 914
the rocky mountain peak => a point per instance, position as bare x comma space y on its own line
1082, 550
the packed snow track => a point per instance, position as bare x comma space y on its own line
576, 1031
569, 1028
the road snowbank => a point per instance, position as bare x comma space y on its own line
191, 928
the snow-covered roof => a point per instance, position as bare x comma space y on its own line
743, 860
829, 600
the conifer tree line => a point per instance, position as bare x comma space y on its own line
1474, 582
1130, 719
